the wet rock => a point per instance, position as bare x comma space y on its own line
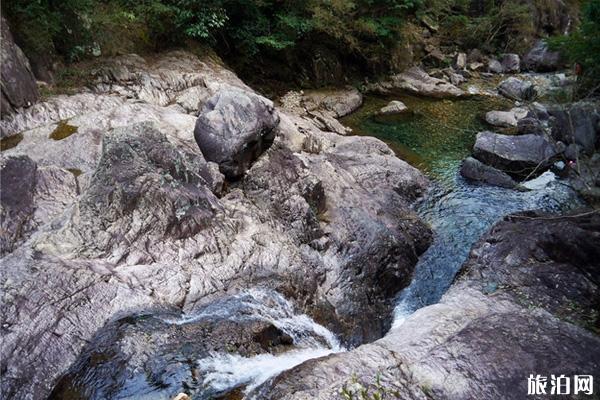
516, 89
393, 107
19, 88
234, 128
510, 63
475, 170
494, 66
541, 59
516, 155
505, 119
140, 349
522, 301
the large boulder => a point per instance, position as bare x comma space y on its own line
516, 155
577, 124
517, 89
418, 82
234, 128
475, 170
541, 59
19, 88
521, 305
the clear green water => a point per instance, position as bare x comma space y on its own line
435, 136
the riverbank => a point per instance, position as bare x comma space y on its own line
137, 248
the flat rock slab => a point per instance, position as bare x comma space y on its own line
475, 170
515, 155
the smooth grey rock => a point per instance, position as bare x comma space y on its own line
576, 123
460, 61
573, 151
510, 63
517, 89
516, 155
417, 81
510, 308
19, 88
393, 107
506, 119
541, 59
319, 217
494, 66
475, 170
234, 128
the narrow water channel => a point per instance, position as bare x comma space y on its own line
435, 136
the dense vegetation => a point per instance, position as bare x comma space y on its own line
583, 47
286, 33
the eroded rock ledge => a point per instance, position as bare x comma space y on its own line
526, 302
125, 214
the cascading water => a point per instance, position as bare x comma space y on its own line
156, 356
436, 136
311, 340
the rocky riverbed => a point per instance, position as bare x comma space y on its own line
168, 229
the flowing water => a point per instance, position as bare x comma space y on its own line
435, 136
155, 356
221, 351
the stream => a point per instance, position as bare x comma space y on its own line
435, 136
226, 348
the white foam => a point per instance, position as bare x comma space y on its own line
226, 371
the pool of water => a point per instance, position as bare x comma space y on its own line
435, 136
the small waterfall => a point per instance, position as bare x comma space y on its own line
459, 217
223, 372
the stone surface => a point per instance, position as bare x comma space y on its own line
541, 59
517, 89
495, 67
19, 88
521, 303
417, 81
505, 119
475, 170
149, 224
516, 155
510, 63
460, 61
234, 128
393, 107
577, 123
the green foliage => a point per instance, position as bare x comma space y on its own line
247, 27
583, 47
491, 25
